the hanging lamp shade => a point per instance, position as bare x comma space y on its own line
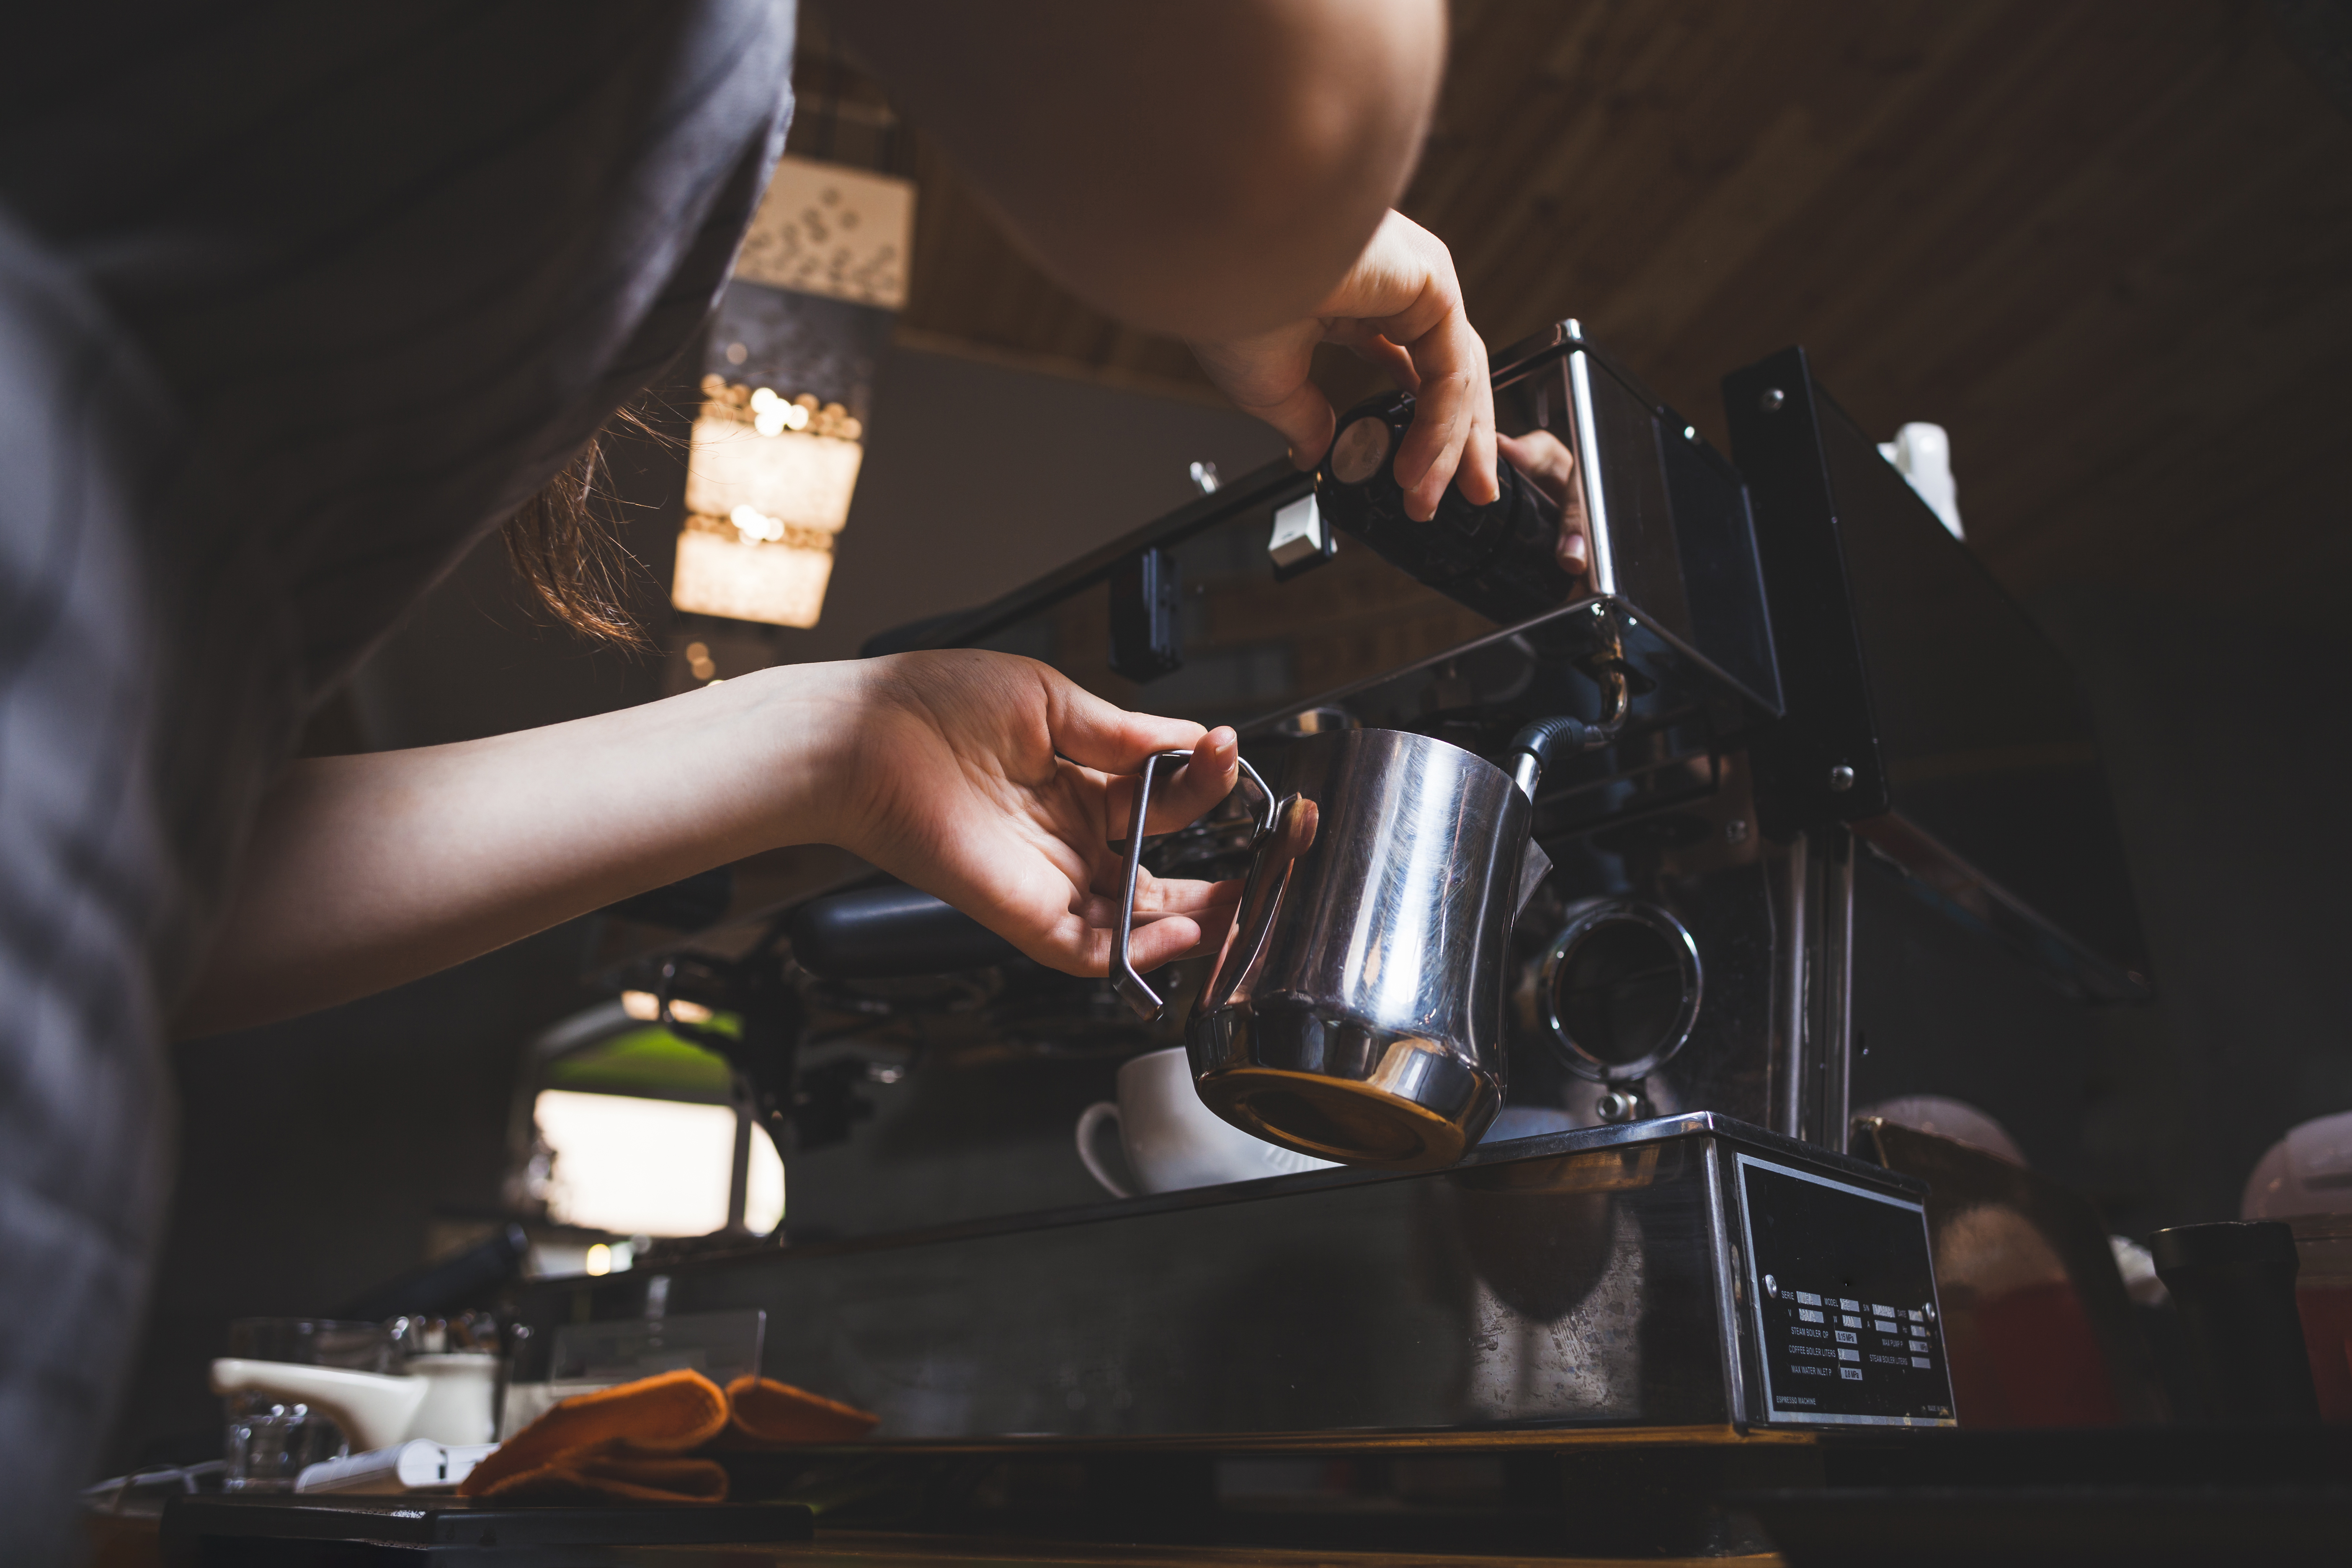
786, 392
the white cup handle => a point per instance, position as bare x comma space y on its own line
1090, 1123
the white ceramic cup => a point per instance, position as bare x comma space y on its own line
1172, 1141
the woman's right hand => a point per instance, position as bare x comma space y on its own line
1400, 307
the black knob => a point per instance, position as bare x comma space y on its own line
1498, 559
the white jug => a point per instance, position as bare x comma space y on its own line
447, 1398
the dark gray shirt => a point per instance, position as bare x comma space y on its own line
296, 303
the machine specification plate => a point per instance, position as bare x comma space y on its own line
1844, 1295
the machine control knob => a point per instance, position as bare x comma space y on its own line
1499, 558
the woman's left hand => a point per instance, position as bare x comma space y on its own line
997, 784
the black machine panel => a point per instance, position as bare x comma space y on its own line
1922, 705
1844, 1293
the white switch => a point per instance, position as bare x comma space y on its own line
1297, 532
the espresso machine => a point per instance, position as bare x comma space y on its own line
1808, 731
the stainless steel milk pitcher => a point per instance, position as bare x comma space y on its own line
1355, 1012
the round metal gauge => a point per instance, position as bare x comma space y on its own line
1621, 989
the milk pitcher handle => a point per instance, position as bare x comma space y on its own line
1130, 986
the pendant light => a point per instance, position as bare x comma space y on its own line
787, 390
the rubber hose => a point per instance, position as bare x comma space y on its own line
1547, 737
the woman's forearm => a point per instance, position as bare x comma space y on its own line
365, 872
988, 779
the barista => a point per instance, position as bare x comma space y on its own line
294, 309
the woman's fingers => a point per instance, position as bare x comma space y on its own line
1403, 289
1151, 946
1109, 739
1174, 917
1198, 785
1102, 735
1545, 458
1400, 306
1179, 795
1154, 897
1452, 441
1375, 349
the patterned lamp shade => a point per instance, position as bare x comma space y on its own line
787, 391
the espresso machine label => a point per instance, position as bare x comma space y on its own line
1844, 1302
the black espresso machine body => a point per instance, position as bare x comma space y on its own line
1681, 999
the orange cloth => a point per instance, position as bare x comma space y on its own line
611, 1475
765, 1414
630, 1443
620, 1441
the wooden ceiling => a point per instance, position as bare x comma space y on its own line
2107, 244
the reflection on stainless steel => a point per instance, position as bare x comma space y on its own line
1316, 721
1559, 1270
1355, 1014
1579, 1278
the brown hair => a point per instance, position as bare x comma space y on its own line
561, 544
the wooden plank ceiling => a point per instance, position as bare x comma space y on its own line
2108, 245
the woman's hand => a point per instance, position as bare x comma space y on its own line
1400, 307
996, 785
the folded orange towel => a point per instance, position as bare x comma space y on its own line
652, 1418
629, 1443
765, 1414
613, 1475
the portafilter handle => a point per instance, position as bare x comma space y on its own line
1147, 1003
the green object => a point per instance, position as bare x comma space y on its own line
650, 1063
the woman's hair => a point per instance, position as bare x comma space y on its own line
562, 545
